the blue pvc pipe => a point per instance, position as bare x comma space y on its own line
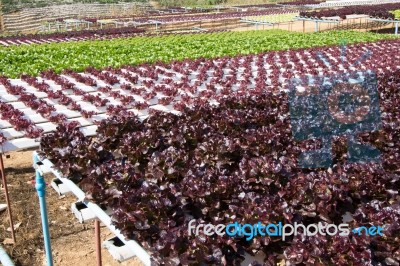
397, 28
4, 258
41, 190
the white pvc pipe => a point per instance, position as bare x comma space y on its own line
4, 258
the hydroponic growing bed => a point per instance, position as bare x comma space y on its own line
82, 35
17, 60
236, 162
210, 139
34, 105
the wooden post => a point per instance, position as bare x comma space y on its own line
3, 177
304, 26
98, 242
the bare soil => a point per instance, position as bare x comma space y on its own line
72, 243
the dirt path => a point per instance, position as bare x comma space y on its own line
72, 243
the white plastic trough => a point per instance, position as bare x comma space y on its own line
83, 213
118, 250
59, 187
